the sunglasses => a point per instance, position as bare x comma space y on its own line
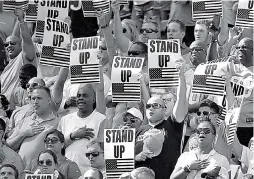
51, 140
154, 105
132, 119
135, 53
204, 130
94, 154
244, 47
46, 162
205, 113
148, 31
103, 48
32, 85
9, 43
197, 49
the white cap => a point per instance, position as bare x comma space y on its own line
135, 112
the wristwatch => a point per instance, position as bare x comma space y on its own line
187, 169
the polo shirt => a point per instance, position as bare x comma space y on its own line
163, 164
32, 146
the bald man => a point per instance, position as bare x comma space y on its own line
20, 51
164, 158
198, 53
82, 126
92, 174
245, 52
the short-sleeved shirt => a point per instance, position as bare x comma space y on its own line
19, 97
76, 150
163, 164
32, 146
220, 160
248, 159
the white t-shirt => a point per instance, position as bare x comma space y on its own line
72, 122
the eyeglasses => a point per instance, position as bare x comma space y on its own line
197, 49
47, 162
135, 53
124, 30
148, 31
32, 85
154, 105
244, 47
204, 130
52, 140
132, 119
103, 48
9, 43
94, 154
205, 113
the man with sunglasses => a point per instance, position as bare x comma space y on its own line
163, 162
149, 30
132, 119
20, 51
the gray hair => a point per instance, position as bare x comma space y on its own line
147, 171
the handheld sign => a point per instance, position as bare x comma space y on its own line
39, 176
31, 11
12, 5
245, 14
162, 56
84, 64
208, 77
206, 9
91, 6
125, 79
119, 151
51, 9
54, 52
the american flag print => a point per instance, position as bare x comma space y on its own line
39, 29
209, 85
90, 7
89, 73
245, 18
54, 56
231, 133
126, 92
206, 9
31, 13
11, 5
116, 167
163, 77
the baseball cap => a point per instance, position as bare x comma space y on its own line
153, 141
136, 113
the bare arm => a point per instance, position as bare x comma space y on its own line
15, 141
179, 173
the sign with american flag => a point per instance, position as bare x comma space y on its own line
125, 79
47, 9
11, 5
57, 33
205, 9
37, 175
245, 14
84, 63
91, 6
162, 57
119, 151
31, 12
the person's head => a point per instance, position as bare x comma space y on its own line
95, 154
142, 173
206, 133
245, 52
149, 30
169, 101
85, 98
251, 144
130, 30
41, 99
9, 171
201, 30
13, 46
198, 52
155, 109
176, 30
26, 72
2, 128
93, 174
4, 103
103, 50
47, 162
32, 83
209, 111
54, 141
126, 175
133, 118
138, 49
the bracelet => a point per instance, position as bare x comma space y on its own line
104, 27
187, 169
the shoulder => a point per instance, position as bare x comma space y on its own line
69, 116
98, 115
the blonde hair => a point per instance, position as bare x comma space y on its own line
133, 28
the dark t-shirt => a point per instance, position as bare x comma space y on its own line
163, 164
